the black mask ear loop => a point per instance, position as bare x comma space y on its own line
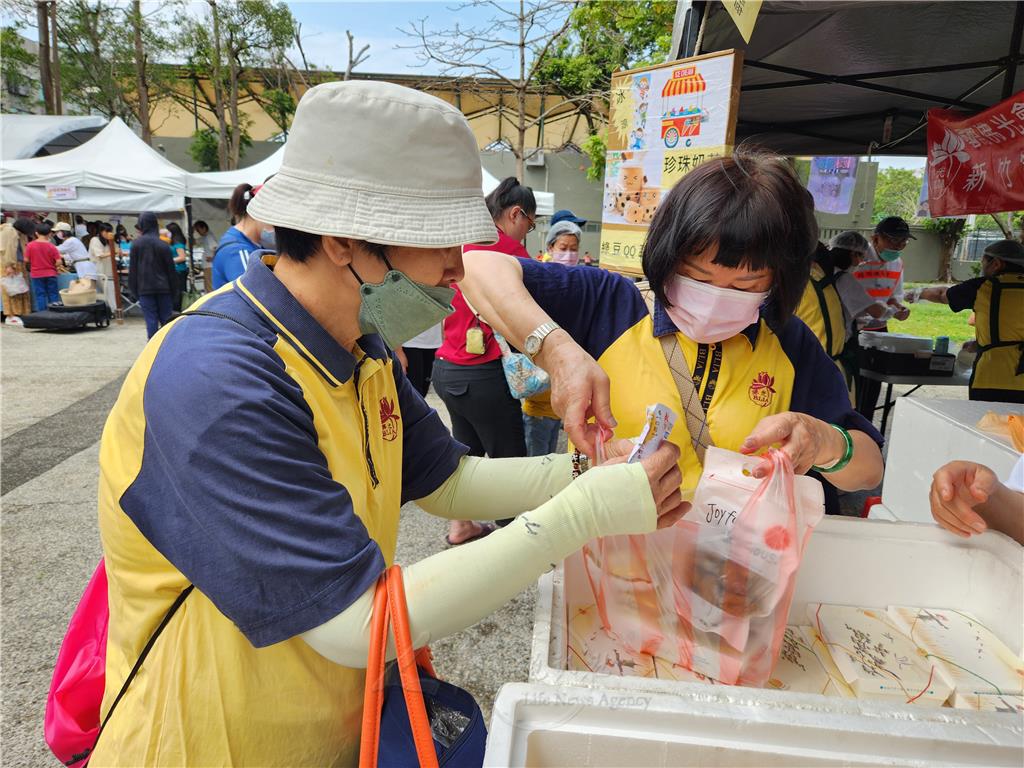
356, 274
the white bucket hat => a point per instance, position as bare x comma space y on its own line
382, 163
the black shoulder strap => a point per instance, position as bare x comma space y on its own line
138, 665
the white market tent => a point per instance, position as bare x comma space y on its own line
114, 172
545, 200
220, 184
24, 135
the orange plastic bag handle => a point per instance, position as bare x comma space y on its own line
389, 607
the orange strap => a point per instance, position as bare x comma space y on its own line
389, 607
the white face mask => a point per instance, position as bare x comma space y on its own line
706, 313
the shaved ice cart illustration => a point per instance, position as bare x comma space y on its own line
682, 105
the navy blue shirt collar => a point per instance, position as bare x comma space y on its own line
663, 325
297, 325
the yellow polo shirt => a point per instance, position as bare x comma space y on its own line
756, 373
252, 456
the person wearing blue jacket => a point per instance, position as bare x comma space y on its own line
242, 241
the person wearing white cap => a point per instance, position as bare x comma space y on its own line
997, 298
274, 487
73, 250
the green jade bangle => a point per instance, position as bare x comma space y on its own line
846, 457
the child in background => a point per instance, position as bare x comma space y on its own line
42, 258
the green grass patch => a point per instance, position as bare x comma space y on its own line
928, 319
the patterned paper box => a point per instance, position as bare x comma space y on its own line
968, 656
875, 658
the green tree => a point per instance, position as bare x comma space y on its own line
604, 36
950, 232
15, 63
896, 194
205, 148
523, 32
108, 55
236, 40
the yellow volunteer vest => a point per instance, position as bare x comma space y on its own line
738, 382
999, 323
205, 696
539, 406
822, 311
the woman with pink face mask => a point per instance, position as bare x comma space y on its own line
727, 257
563, 244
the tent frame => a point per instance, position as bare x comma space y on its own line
692, 15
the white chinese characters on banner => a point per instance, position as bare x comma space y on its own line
976, 162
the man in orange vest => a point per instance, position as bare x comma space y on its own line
882, 278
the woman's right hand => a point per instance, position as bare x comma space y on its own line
580, 390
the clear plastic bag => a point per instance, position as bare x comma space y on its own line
15, 285
710, 594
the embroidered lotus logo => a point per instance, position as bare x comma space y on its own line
388, 419
762, 389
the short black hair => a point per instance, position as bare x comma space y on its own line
509, 193
44, 228
104, 227
26, 226
753, 207
300, 246
200, 223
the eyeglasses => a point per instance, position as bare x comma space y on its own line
533, 221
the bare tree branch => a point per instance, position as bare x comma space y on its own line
357, 59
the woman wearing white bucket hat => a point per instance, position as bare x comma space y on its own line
303, 438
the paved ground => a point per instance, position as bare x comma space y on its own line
57, 389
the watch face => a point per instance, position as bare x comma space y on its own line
532, 345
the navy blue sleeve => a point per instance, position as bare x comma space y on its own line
429, 452
235, 493
594, 306
819, 389
963, 296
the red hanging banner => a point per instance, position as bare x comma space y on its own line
976, 162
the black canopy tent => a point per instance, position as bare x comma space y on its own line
849, 78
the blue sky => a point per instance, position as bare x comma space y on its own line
377, 23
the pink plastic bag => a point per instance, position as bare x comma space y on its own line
79, 677
712, 593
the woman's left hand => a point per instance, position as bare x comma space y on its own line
808, 441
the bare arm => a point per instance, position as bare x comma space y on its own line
810, 441
579, 388
936, 293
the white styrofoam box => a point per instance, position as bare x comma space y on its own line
929, 433
539, 725
849, 561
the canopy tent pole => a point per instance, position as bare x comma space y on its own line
1014, 55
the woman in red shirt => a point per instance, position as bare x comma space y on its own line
467, 372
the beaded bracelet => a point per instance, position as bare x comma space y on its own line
580, 463
841, 463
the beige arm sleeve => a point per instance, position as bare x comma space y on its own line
493, 489
454, 589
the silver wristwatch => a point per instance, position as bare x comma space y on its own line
535, 340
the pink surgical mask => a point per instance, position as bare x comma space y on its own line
569, 258
706, 313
